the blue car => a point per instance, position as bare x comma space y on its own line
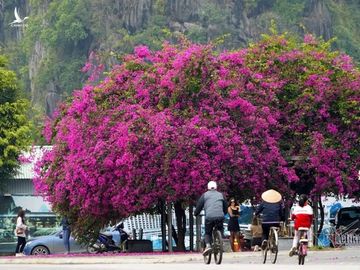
51, 244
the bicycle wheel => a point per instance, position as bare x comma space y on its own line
273, 243
301, 259
273, 252
302, 253
264, 254
218, 247
207, 258
304, 249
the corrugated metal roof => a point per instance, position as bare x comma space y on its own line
26, 170
17, 186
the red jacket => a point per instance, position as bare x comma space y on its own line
302, 216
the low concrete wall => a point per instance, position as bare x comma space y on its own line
226, 245
285, 243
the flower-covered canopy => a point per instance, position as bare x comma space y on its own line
279, 114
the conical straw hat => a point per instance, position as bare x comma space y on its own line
271, 196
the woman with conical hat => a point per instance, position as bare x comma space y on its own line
272, 210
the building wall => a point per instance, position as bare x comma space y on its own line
19, 194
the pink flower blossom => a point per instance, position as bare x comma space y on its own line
142, 51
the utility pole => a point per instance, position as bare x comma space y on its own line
316, 222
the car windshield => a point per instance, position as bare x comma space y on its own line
350, 214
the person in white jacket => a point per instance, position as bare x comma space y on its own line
20, 232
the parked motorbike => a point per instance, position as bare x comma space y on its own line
105, 242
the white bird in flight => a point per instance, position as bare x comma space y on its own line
17, 20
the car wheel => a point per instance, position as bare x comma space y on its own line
40, 250
92, 249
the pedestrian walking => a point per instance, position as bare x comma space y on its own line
66, 233
233, 225
20, 232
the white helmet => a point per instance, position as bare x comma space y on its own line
212, 185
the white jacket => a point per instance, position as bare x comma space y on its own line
20, 224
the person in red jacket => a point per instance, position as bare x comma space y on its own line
302, 215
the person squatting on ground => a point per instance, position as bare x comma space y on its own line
20, 232
302, 216
66, 234
215, 208
272, 211
233, 226
256, 233
124, 236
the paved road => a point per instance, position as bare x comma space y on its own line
176, 267
327, 260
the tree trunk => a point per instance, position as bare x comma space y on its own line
166, 220
198, 233
322, 216
163, 224
181, 225
191, 227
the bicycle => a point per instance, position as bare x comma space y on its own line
271, 245
216, 248
302, 244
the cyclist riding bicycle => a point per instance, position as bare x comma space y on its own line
302, 215
215, 208
272, 211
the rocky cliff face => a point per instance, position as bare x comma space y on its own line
317, 18
182, 11
248, 20
244, 19
133, 14
37, 56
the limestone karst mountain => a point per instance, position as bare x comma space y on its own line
61, 34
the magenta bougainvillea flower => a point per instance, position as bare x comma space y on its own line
279, 114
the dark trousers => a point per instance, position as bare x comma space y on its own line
66, 238
209, 225
21, 241
266, 229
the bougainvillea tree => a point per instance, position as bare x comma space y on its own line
164, 123
319, 113
319, 108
